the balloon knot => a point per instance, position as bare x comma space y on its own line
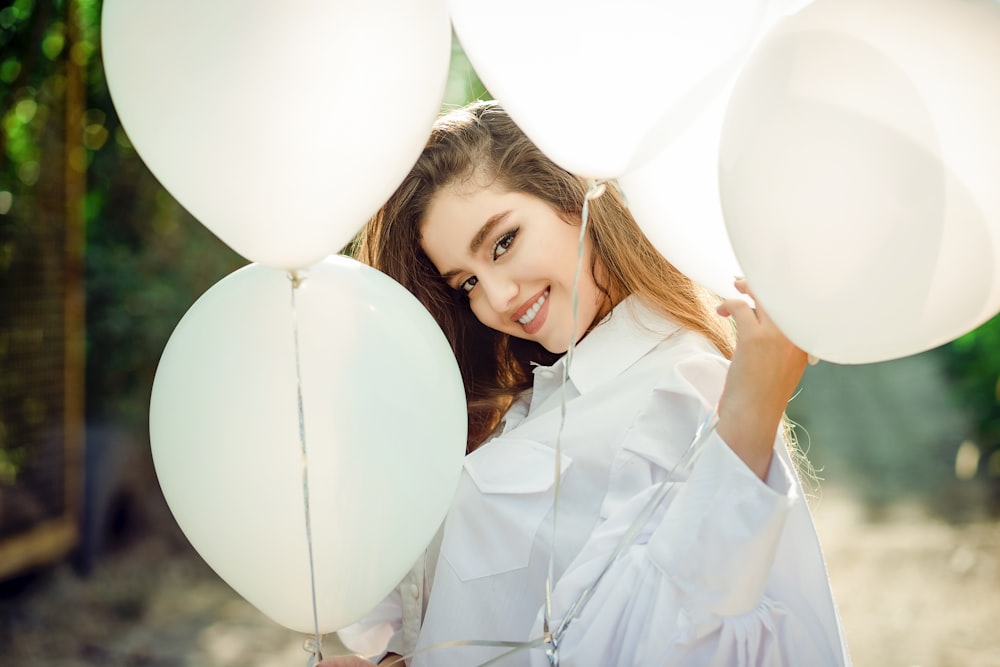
313, 646
596, 188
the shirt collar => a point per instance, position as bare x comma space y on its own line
623, 337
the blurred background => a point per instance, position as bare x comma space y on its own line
98, 264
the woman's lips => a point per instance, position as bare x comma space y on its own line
531, 316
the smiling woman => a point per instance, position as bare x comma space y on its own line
518, 267
653, 560
481, 147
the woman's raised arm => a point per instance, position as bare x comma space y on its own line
765, 370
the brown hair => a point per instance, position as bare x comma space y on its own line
481, 141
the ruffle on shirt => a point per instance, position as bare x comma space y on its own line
628, 624
692, 589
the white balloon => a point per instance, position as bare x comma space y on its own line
384, 424
675, 199
281, 126
858, 169
600, 87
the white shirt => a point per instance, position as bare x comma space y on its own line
727, 572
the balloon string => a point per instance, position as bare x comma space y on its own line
317, 647
595, 188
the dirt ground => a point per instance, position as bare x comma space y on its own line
913, 591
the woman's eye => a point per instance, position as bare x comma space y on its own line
503, 243
468, 284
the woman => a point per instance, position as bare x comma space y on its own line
727, 570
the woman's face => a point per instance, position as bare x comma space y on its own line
515, 259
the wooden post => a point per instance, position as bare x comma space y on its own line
52, 539
76, 184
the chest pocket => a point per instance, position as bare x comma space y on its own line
502, 499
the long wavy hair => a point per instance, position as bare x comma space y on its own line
481, 141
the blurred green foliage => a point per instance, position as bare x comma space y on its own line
973, 363
463, 84
32, 83
147, 260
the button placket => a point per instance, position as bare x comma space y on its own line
547, 380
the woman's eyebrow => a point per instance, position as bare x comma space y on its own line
477, 241
486, 230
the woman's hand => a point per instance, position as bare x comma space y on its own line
765, 370
357, 661
346, 661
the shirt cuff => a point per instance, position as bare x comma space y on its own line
718, 538
378, 631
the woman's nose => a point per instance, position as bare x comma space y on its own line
500, 293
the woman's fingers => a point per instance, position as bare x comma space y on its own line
730, 307
740, 311
765, 369
743, 287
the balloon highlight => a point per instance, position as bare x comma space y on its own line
858, 164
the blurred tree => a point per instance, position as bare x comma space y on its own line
973, 362
146, 259
41, 297
31, 91
82, 221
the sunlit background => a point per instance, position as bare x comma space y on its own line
98, 264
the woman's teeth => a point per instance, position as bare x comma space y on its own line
530, 315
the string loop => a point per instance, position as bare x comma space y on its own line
311, 646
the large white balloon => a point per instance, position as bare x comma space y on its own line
675, 199
859, 166
600, 87
281, 126
385, 427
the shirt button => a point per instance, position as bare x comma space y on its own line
546, 375
414, 591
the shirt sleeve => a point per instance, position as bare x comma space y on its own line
718, 537
393, 626
694, 587
374, 635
